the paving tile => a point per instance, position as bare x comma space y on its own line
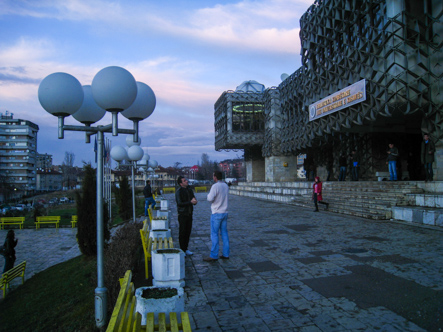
291, 270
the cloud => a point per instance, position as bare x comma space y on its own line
245, 25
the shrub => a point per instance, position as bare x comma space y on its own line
122, 254
87, 214
124, 198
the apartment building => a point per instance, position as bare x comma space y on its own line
18, 149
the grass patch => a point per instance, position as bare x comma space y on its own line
60, 298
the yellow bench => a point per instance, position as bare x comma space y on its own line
197, 189
12, 221
125, 317
150, 244
169, 190
47, 220
74, 221
8, 276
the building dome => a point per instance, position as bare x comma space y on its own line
250, 86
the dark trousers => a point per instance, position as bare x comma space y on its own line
354, 173
184, 230
429, 172
316, 202
9, 263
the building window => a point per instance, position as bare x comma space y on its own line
247, 117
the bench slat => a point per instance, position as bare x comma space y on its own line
150, 322
161, 322
186, 324
173, 321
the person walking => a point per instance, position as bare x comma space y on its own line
149, 200
9, 251
343, 163
427, 156
392, 162
355, 165
185, 198
218, 196
317, 194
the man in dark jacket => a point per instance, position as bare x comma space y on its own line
427, 156
149, 200
391, 161
184, 196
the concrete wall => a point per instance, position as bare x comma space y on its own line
255, 170
276, 171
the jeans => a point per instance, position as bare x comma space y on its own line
342, 175
355, 173
429, 172
219, 223
148, 201
393, 170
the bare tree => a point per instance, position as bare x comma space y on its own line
206, 168
177, 165
69, 172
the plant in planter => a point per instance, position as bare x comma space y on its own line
168, 267
166, 214
159, 299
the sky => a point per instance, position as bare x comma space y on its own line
189, 53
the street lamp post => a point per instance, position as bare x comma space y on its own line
133, 154
115, 90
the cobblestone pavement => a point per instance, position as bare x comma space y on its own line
41, 248
294, 270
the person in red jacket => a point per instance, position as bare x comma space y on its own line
316, 195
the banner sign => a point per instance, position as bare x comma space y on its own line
351, 95
301, 159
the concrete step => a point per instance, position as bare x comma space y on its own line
367, 199
418, 215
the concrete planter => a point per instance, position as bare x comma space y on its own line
160, 223
167, 305
166, 214
164, 205
168, 267
156, 233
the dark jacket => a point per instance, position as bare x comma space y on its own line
183, 197
393, 155
425, 149
147, 191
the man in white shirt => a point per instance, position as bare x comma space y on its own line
218, 195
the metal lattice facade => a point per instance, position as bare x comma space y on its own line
397, 51
246, 131
395, 45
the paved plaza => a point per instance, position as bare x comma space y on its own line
293, 270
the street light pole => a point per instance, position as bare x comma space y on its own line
100, 291
115, 90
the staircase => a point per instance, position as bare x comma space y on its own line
366, 199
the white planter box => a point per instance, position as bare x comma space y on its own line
168, 267
164, 205
159, 224
166, 214
172, 304
156, 233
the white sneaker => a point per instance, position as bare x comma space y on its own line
189, 253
